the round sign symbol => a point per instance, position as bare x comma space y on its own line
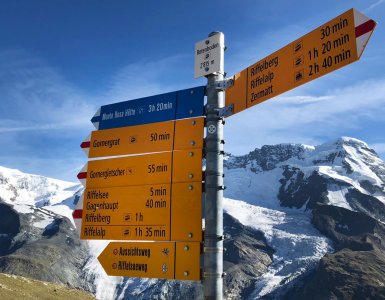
211, 129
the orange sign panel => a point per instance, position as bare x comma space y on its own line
133, 205
132, 139
331, 46
152, 232
187, 166
143, 212
155, 137
189, 134
139, 259
132, 170
164, 260
186, 212
187, 263
184, 165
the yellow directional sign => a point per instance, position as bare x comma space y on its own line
187, 263
186, 212
151, 232
331, 46
132, 205
165, 260
143, 212
139, 259
155, 137
157, 168
132, 170
187, 166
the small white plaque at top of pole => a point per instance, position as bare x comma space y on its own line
208, 56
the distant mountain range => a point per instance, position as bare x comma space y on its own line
301, 222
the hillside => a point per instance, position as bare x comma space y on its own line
17, 287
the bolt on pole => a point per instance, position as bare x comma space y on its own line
213, 211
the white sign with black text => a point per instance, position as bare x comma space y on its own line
209, 56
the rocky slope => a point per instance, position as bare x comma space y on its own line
342, 184
35, 241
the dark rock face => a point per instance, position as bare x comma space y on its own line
247, 257
267, 157
295, 191
9, 227
53, 253
357, 269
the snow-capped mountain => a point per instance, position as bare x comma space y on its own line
300, 222
23, 191
285, 188
37, 237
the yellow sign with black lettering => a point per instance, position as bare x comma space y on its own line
163, 260
143, 212
186, 212
331, 46
132, 205
148, 138
157, 168
139, 259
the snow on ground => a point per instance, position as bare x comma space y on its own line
105, 285
298, 245
20, 188
336, 196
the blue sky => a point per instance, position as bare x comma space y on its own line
61, 59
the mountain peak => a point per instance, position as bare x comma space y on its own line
350, 141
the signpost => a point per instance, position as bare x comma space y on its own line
167, 260
165, 107
157, 196
331, 46
158, 137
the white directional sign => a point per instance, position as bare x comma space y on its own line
208, 56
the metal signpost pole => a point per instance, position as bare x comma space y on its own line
213, 235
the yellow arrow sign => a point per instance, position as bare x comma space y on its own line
157, 168
166, 260
158, 137
331, 46
143, 212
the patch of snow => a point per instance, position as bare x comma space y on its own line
336, 196
105, 285
299, 246
42, 224
23, 208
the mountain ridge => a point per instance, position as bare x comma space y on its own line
289, 222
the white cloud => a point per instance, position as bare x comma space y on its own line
375, 4
145, 78
35, 96
306, 119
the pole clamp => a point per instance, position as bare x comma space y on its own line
212, 250
220, 112
213, 237
213, 275
213, 173
226, 111
211, 186
222, 84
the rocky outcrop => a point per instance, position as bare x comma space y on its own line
43, 246
357, 269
